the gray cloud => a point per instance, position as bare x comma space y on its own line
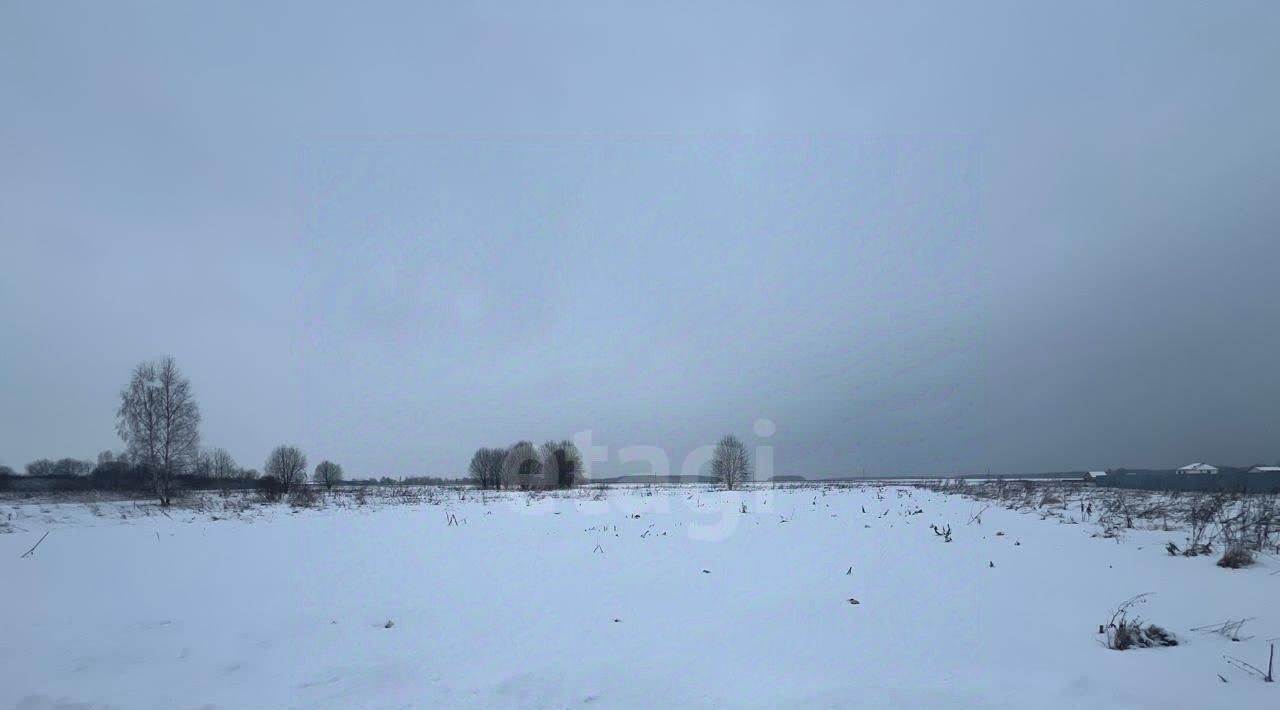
926, 239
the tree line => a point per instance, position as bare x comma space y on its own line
558, 464
523, 466
158, 421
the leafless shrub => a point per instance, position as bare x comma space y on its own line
1127, 630
1253, 524
1202, 510
1268, 675
270, 488
1228, 629
1236, 556
304, 497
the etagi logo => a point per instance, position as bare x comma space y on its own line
705, 515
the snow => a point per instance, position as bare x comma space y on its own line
635, 598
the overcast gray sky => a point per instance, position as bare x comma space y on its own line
918, 237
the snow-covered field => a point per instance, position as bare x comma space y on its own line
634, 598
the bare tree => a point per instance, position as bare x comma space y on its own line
328, 473
521, 466
221, 465
288, 464
561, 464
730, 463
159, 421
73, 467
486, 467
203, 467
41, 467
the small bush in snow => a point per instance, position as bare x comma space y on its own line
303, 497
1135, 635
271, 488
1236, 556
943, 532
1126, 630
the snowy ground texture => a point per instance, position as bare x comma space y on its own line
634, 598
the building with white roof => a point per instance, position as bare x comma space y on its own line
1198, 468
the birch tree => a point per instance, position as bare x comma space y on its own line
159, 421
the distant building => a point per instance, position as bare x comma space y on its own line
1198, 468
1265, 469
1094, 476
